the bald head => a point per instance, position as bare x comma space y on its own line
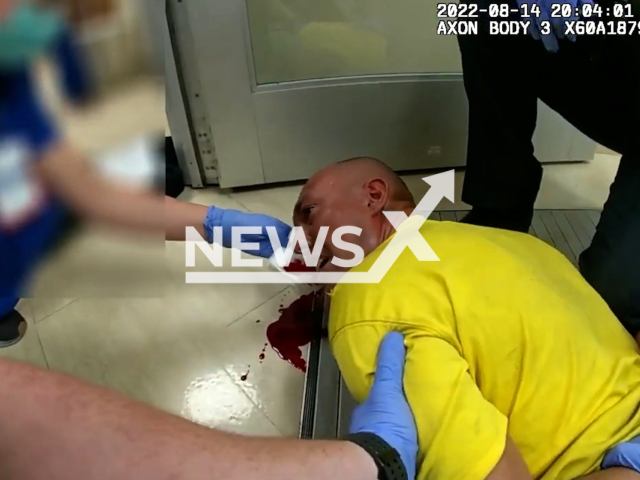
354, 193
349, 177
367, 168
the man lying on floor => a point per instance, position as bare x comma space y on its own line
516, 368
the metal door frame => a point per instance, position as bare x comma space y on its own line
230, 110
177, 113
215, 30
220, 32
327, 404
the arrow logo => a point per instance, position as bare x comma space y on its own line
407, 235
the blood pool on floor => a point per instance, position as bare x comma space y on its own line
293, 330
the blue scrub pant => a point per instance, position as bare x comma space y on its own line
22, 252
7, 304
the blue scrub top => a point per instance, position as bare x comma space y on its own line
23, 119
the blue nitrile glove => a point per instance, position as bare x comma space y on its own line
556, 32
227, 219
625, 454
386, 412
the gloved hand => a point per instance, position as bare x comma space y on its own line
550, 36
227, 219
625, 454
386, 412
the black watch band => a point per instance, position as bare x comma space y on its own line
387, 458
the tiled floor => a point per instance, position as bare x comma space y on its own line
186, 348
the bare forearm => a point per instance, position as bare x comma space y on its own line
77, 431
281, 459
98, 200
143, 211
180, 215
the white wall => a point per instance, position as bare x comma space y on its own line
119, 47
154, 15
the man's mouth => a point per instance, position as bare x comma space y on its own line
298, 265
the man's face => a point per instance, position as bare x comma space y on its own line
326, 201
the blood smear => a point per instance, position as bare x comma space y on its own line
293, 330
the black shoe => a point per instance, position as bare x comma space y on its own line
516, 220
13, 326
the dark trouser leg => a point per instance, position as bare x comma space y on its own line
501, 168
599, 92
595, 85
612, 263
500, 78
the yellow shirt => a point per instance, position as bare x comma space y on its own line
503, 336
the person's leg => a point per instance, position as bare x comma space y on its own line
597, 89
12, 273
612, 263
20, 255
502, 175
594, 84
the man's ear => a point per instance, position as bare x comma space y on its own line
377, 195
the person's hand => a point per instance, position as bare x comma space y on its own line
386, 412
625, 454
547, 28
227, 219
